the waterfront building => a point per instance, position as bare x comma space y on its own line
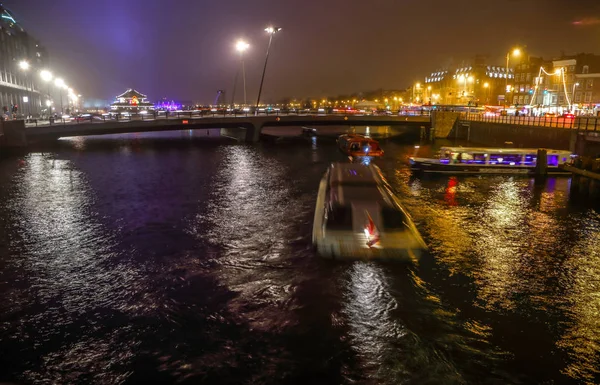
20, 90
131, 101
473, 82
568, 83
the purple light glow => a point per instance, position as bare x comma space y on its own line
171, 106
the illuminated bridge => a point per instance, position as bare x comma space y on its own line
246, 128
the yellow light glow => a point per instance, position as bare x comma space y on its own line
516, 52
418, 85
486, 85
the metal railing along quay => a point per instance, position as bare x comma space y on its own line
585, 123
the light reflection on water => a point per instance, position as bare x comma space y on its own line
137, 260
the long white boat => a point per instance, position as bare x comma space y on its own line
482, 160
358, 216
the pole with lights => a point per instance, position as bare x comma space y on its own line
271, 31
241, 47
573, 97
25, 66
47, 77
60, 84
515, 52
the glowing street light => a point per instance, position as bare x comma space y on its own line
24, 65
46, 75
271, 31
516, 53
60, 84
241, 46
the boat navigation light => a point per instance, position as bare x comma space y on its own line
500, 160
417, 147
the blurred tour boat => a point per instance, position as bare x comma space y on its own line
358, 216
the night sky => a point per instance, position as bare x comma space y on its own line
184, 49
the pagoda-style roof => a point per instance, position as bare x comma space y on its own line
130, 93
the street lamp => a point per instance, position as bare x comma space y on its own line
516, 53
47, 77
573, 93
60, 84
240, 46
271, 31
24, 66
486, 85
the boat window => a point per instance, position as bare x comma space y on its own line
506, 159
530, 159
339, 218
355, 146
552, 160
392, 219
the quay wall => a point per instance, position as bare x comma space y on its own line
497, 135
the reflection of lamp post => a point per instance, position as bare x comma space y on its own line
516, 52
271, 31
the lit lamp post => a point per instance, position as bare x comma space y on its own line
515, 52
486, 85
47, 77
24, 66
429, 94
271, 31
60, 84
573, 93
241, 47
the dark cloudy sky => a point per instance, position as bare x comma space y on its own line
185, 48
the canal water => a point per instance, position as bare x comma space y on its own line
169, 258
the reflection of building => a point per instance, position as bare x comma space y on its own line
18, 86
132, 101
473, 82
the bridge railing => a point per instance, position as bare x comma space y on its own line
198, 114
586, 123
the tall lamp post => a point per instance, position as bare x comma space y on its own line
47, 77
241, 47
486, 85
515, 52
60, 84
573, 97
271, 31
24, 66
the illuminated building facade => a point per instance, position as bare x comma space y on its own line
19, 89
131, 101
471, 83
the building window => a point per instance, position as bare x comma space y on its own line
578, 97
561, 99
586, 70
588, 97
590, 83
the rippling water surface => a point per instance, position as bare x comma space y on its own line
165, 258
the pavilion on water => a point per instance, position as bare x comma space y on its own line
131, 101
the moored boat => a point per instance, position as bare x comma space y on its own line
482, 160
356, 145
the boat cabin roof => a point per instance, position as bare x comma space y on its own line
488, 150
349, 182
